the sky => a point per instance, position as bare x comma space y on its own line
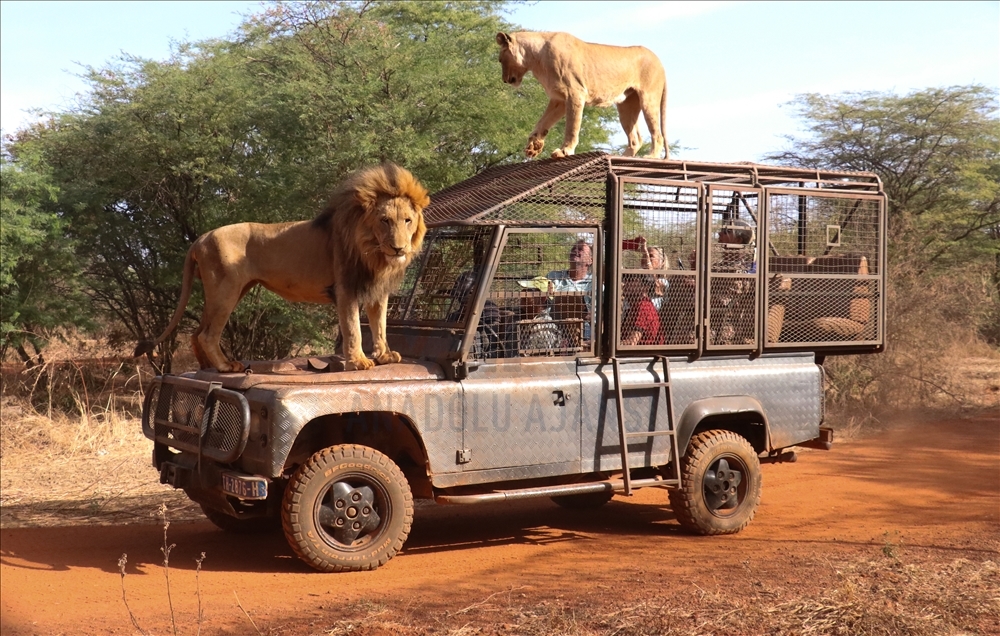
732, 67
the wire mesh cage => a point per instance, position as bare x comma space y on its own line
712, 257
823, 269
541, 298
659, 226
568, 191
732, 272
439, 285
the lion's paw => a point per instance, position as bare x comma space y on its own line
358, 364
534, 147
558, 154
389, 357
232, 367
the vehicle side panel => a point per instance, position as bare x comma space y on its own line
522, 415
434, 409
789, 388
644, 409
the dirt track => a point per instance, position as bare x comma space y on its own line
931, 488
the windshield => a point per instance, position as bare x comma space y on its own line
440, 283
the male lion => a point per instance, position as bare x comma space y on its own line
574, 73
354, 253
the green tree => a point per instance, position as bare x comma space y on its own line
39, 275
260, 128
418, 83
937, 152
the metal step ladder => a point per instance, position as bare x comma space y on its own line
624, 436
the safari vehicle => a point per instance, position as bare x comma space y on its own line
516, 383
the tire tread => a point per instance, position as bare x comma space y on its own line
291, 504
684, 500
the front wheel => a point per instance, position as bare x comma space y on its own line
348, 508
720, 484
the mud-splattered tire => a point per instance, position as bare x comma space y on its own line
584, 501
241, 525
720, 484
348, 508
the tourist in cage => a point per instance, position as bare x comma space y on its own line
640, 319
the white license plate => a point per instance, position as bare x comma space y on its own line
244, 487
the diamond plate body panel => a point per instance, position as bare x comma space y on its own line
645, 411
434, 408
522, 415
789, 388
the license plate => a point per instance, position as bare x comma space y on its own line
244, 487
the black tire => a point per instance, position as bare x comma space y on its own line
584, 501
720, 484
348, 508
241, 525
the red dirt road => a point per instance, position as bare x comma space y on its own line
932, 487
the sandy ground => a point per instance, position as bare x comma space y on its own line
926, 489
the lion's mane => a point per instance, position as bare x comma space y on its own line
351, 218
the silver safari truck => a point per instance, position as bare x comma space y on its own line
575, 328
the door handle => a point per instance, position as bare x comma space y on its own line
559, 398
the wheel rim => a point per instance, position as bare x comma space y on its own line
725, 485
352, 512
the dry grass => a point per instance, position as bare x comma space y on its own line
869, 597
71, 446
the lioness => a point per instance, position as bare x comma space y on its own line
574, 73
354, 253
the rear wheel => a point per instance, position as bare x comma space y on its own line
720, 484
348, 508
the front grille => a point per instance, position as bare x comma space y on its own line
197, 417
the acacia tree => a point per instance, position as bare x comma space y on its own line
260, 127
937, 152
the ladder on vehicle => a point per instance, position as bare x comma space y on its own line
624, 436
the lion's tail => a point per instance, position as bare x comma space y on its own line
663, 121
146, 346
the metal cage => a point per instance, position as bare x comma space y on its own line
696, 258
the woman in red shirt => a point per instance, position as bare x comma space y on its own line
640, 320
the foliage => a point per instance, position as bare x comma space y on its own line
39, 282
937, 152
260, 128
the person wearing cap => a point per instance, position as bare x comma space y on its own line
733, 302
736, 241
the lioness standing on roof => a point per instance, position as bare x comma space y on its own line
574, 73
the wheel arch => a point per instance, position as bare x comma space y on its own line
741, 414
392, 434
